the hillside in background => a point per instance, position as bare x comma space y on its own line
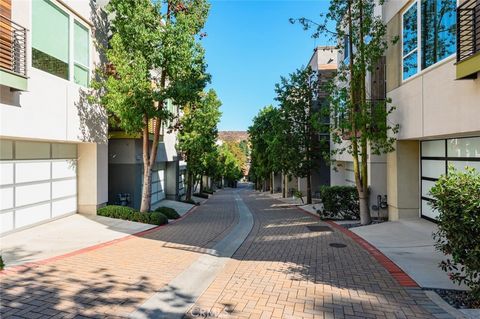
233, 136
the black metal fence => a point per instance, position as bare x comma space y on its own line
13, 47
468, 29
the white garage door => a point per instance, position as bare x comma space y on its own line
158, 186
36, 190
437, 156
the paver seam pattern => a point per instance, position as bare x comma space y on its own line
112, 280
284, 271
403, 278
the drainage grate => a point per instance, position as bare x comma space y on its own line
337, 245
318, 228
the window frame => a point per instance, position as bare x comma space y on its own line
75, 63
419, 71
72, 18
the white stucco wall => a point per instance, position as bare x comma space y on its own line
52, 108
434, 104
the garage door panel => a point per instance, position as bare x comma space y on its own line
428, 211
32, 215
6, 173
32, 172
6, 221
64, 169
29, 194
64, 206
6, 198
64, 188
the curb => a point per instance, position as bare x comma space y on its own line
400, 276
31, 265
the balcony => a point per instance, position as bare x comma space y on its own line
468, 39
13, 55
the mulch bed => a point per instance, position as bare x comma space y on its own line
459, 299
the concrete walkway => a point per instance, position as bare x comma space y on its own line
409, 244
63, 236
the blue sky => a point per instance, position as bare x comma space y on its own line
250, 44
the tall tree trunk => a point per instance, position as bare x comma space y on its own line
147, 172
188, 192
271, 182
284, 185
201, 184
309, 188
365, 217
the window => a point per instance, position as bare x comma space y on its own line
81, 57
436, 39
410, 42
58, 47
346, 49
50, 38
438, 31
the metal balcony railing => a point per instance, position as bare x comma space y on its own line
13, 47
468, 29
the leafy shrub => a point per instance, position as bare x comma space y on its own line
457, 199
128, 213
168, 211
339, 202
2, 264
208, 191
201, 195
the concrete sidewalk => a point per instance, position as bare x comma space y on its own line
64, 236
409, 244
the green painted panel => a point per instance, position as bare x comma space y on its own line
468, 67
50, 29
14, 81
80, 44
80, 75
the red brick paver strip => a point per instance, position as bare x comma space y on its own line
113, 280
285, 270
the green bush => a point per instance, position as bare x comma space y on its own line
2, 264
457, 199
208, 191
201, 195
169, 212
128, 213
339, 202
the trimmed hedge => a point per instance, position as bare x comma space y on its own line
2, 264
128, 213
457, 199
200, 195
339, 202
208, 191
168, 211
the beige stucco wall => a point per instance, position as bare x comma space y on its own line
92, 177
403, 180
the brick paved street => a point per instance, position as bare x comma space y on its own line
282, 270
114, 280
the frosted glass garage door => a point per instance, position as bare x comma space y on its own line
437, 156
34, 191
158, 186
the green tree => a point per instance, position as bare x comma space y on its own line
356, 117
297, 95
153, 56
229, 165
197, 136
